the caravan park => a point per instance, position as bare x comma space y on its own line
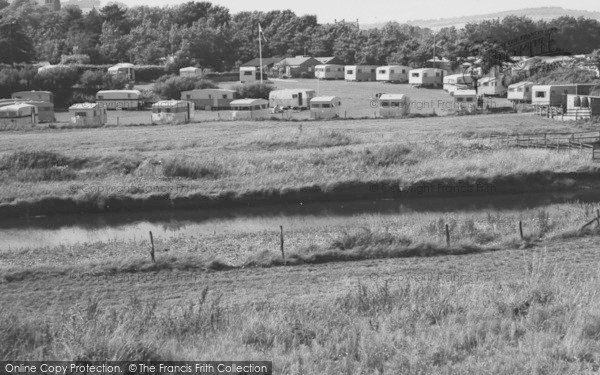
315, 197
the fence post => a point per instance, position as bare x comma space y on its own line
521, 229
598, 217
281, 243
447, 235
152, 249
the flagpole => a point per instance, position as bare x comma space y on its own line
260, 54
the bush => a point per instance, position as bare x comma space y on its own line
15, 79
180, 167
149, 73
75, 59
170, 87
254, 91
60, 81
93, 81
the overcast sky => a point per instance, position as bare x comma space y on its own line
383, 10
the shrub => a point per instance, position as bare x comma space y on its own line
35, 159
93, 81
75, 59
149, 73
254, 90
170, 87
388, 155
60, 81
180, 167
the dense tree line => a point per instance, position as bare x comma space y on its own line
207, 35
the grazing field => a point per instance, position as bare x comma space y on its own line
273, 158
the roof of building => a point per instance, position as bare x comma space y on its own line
329, 59
465, 93
266, 61
84, 106
393, 66
249, 101
526, 83
169, 103
189, 69
298, 60
135, 92
393, 97
121, 65
15, 107
324, 99
209, 90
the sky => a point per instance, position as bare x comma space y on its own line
383, 10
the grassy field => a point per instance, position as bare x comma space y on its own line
88, 165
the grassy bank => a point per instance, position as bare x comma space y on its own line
542, 320
239, 163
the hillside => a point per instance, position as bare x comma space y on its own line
542, 13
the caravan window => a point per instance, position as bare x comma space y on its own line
403, 71
385, 104
315, 105
358, 70
327, 70
373, 71
459, 99
469, 99
326, 105
350, 72
437, 74
224, 96
415, 75
540, 94
526, 89
81, 114
424, 75
247, 73
395, 105
188, 96
100, 97
382, 71
294, 96
391, 71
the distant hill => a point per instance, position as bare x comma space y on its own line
543, 13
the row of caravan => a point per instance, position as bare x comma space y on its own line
546, 95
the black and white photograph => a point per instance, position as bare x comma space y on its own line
299, 188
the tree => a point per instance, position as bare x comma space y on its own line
170, 87
15, 44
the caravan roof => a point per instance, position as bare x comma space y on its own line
465, 93
393, 97
324, 99
243, 102
84, 106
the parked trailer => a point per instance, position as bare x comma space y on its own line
120, 99
123, 69
190, 71
394, 105
172, 112
329, 71
555, 95
44, 110
209, 99
393, 73
44, 96
492, 86
426, 77
249, 74
520, 92
250, 109
360, 73
291, 98
325, 107
456, 82
18, 115
465, 100
88, 114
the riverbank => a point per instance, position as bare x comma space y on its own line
240, 164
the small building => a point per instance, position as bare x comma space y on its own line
582, 107
125, 69
394, 105
454, 82
88, 114
360, 73
18, 115
555, 95
44, 110
120, 99
291, 98
465, 100
329, 71
297, 67
393, 73
426, 77
249, 74
267, 67
492, 86
172, 112
520, 92
190, 71
325, 107
249, 109
209, 99
44, 96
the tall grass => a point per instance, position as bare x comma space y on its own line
191, 168
538, 320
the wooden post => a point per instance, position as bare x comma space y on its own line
152, 250
447, 235
117, 120
598, 217
281, 243
521, 229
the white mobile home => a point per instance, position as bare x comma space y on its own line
426, 77
120, 99
249, 109
455, 82
291, 98
465, 100
582, 107
492, 86
172, 112
44, 96
18, 115
325, 107
329, 71
555, 95
88, 114
394, 105
123, 69
44, 110
520, 92
393, 73
190, 71
360, 73
249, 74
209, 99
